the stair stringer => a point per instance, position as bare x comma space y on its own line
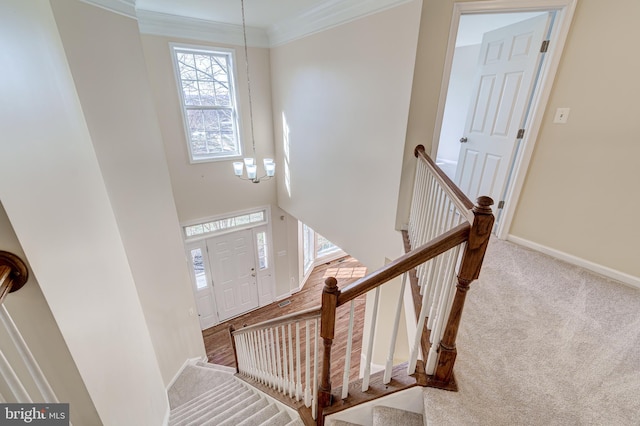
411, 399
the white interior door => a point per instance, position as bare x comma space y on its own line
232, 260
508, 63
205, 303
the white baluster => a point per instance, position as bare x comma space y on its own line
367, 367
298, 365
285, 366
274, 369
394, 335
278, 363
12, 380
314, 405
29, 360
347, 356
307, 371
291, 370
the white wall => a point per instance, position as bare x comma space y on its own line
344, 94
463, 69
208, 189
56, 199
32, 316
105, 56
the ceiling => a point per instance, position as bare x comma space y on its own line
258, 13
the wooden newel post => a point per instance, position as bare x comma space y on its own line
472, 258
327, 328
13, 273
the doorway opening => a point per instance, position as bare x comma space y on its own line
500, 65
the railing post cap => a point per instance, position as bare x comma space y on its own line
483, 205
330, 285
418, 149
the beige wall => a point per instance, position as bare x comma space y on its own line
105, 56
31, 314
576, 165
209, 189
56, 199
344, 95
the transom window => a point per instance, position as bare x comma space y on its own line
208, 95
225, 224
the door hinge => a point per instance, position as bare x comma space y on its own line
501, 204
545, 46
520, 134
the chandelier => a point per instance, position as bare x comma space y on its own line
250, 162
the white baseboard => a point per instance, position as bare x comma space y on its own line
187, 362
605, 271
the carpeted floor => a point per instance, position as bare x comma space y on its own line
543, 343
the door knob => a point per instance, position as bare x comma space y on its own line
253, 274
463, 140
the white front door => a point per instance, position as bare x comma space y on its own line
199, 268
507, 67
233, 268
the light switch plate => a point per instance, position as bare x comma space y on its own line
562, 115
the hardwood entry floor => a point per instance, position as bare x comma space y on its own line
217, 341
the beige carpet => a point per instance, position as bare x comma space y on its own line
543, 343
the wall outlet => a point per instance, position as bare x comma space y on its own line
562, 115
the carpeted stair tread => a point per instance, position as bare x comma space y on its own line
223, 410
212, 394
260, 417
214, 399
194, 381
341, 423
220, 414
385, 416
213, 408
295, 422
280, 419
240, 415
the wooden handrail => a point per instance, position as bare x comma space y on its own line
13, 273
310, 313
463, 202
405, 263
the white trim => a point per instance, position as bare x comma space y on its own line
560, 30
411, 399
233, 78
162, 24
189, 361
121, 7
266, 209
326, 15
605, 271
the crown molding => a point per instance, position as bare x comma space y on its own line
162, 24
121, 7
327, 15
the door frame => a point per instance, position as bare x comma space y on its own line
200, 240
564, 14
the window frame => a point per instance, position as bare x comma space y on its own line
265, 210
233, 89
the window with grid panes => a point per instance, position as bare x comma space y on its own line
208, 95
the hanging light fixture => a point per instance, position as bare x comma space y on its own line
250, 162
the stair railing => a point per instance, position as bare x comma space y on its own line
446, 233
449, 233
271, 353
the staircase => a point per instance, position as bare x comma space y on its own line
205, 394
387, 416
